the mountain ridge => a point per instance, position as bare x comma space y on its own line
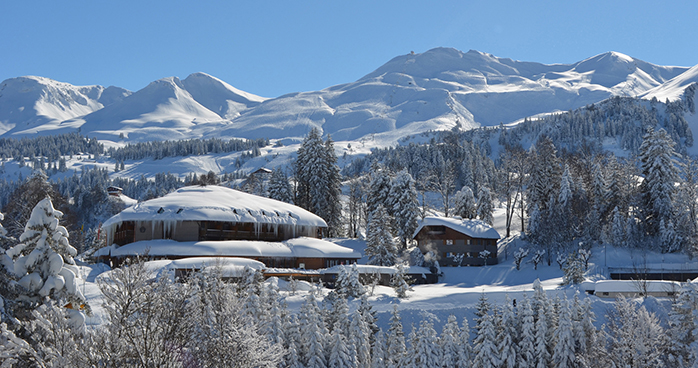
439, 89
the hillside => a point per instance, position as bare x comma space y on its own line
435, 90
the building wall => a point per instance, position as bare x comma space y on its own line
131, 231
447, 244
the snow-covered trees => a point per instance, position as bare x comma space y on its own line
279, 188
380, 247
465, 205
399, 281
485, 206
636, 338
318, 180
659, 167
348, 283
574, 269
405, 208
43, 262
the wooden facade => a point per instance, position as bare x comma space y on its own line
133, 231
454, 248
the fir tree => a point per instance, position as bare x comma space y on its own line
339, 353
399, 281
485, 206
405, 208
659, 167
395, 341
380, 247
450, 344
424, 350
564, 351
43, 262
359, 336
527, 347
485, 345
507, 336
318, 179
465, 205
279, 188
348, 283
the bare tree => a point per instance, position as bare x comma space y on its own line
444, 182
513, 174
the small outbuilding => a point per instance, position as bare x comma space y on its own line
457, 241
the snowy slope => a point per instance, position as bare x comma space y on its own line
673, 89
410, 94
33, 104
162, 110
444, 87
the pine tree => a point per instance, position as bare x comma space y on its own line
636, 337
564, 351
348, 283
378, 357
485, 206
318, 180
380, 247
659, 167
450, 344
313, 334
682, 327
405, 208
485, 345
526, 351
379, 189
359, 336
507, 336
465, 205
279, 188
424, 350
542, 344
43, 262
465, 352
399, 281
574, 269
395, 341
339, 353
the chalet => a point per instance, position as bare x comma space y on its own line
458, 242
207, 221
114, 191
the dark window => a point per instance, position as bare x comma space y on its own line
436, 230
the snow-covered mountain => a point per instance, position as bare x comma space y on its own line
30, 104
673, 89
410, 94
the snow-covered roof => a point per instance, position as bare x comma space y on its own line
298, 248
197, 263
216, 203
228, 266
371, 269
472, 228
625, 286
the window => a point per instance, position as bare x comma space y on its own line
449, 241
436, 230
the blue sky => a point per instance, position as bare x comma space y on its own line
275, 47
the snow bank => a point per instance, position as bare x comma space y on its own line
469, 227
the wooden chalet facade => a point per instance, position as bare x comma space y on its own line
458, 242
